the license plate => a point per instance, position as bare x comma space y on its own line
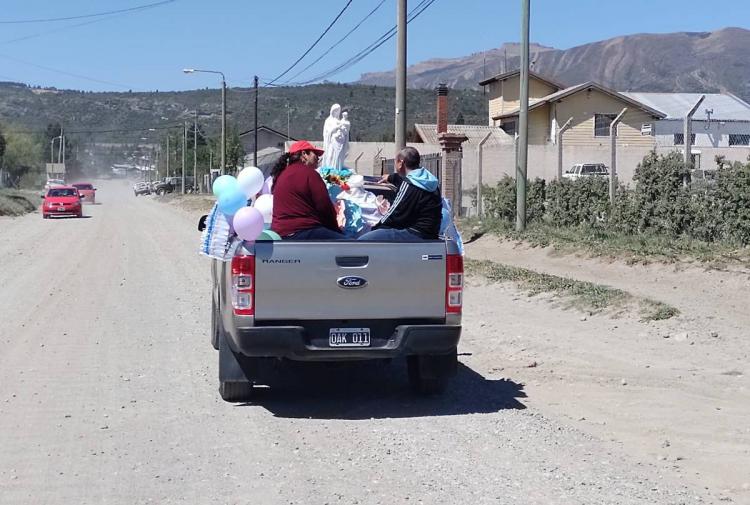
349, 337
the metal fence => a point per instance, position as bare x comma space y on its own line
431, 161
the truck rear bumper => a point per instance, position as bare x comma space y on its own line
293, 342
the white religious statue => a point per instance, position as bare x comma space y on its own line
336, 138
329, 128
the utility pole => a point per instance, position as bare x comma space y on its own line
613, 152
288, 137
167, 174
195, 149
60, 149
401, 76
688, 133
255, 142
223, 124
523, 122
184, 150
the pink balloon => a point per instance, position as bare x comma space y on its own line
248, 223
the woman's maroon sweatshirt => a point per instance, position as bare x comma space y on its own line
301, 201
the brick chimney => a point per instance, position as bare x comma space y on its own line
442, 108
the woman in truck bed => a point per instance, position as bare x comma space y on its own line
302, 208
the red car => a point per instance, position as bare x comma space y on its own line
62, 201
87, 191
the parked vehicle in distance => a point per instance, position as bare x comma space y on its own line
173, 184
62, 201
87, 191
141, 188
580, 170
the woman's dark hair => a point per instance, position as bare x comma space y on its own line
284, 160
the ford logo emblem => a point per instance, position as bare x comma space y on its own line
352, 282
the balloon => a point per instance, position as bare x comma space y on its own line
248, 223
264, 204
222, 183
231, 200
266, 189
251, 181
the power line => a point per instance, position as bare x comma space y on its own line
78, 76
348, 3
419, 9
61, 29
50, 20
337, 43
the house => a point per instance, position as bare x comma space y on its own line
722, 120
591, 108
504, 92
267, 137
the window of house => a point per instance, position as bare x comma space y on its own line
601, 124
509, 127
679, 139
739, 140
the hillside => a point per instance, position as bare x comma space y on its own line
370, 109
683, 62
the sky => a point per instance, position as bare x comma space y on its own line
146, 49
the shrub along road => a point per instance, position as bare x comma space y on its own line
108, 392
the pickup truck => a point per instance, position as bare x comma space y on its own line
334, 301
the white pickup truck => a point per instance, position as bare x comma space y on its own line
334, 301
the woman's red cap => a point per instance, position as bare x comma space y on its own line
304, 145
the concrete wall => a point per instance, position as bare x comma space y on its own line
500, 161
706, 155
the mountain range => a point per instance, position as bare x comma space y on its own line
717, 61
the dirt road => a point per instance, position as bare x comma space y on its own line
108, 392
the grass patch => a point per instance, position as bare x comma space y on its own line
17, 203
643, 248
583, 295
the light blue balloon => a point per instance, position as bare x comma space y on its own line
223, 183
231, 200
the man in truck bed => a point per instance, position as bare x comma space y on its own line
417, 210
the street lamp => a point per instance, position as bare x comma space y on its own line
223, 111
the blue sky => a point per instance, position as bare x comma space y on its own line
146, 49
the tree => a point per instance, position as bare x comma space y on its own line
23, 156
235, 152
460, 118
2, 145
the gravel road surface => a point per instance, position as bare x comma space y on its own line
108, 394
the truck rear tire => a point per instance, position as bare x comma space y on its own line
231, 391
430, 374
235, 373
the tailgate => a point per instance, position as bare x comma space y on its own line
321, 280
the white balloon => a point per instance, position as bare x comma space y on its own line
264, 204
251, 181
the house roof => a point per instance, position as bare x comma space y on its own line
513, 73
725, 107
266, 128
473, 133
564, 93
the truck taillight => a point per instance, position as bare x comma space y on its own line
454, 283
243, 285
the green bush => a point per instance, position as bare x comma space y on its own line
500, 200
580, 202
661, 203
